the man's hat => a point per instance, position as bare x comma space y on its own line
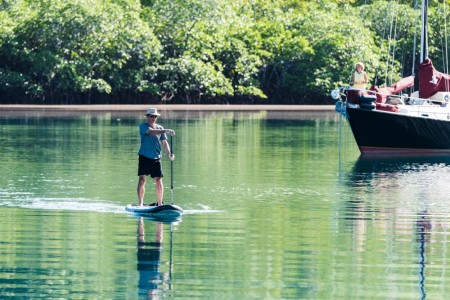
152, 111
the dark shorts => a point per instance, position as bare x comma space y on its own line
149, 166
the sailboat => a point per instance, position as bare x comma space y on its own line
416, 123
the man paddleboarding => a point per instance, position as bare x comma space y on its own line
153, 138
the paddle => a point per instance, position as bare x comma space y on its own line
171, 170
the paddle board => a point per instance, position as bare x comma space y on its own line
166, 210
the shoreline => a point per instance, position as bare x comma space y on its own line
166, 107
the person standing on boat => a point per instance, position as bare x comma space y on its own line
153, 137
360, 78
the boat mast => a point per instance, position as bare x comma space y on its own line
424, 32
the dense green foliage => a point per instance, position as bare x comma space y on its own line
199, 51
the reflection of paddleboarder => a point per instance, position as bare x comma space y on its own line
148, 261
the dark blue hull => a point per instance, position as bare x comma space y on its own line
379, 132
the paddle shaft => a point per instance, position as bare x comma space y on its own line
171, 170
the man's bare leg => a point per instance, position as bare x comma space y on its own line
141, 189
159, 188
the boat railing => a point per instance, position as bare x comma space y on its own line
407, 104
340, 93
403, 99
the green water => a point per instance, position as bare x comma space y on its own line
277, 206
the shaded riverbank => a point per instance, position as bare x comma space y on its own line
162, 107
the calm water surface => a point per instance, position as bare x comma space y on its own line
277, 206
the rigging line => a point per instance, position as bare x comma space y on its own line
364, 42
415, 39
388, 63
444, 47
363, 45
446, 44
379, 72
445, 37
394, 47
388, 46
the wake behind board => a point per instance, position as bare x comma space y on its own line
164, 211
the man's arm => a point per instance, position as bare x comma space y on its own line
151, 131
166, 147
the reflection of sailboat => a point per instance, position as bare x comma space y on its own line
417, 123
423, 230
373, 171
373, 164
152, 281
